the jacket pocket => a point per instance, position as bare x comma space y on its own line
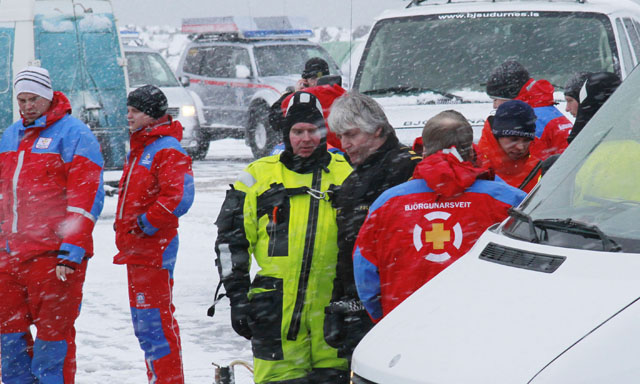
274, 203
265, 300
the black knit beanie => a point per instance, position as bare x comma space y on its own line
506, 80
149, 100
315, 67
304, 107
514, 118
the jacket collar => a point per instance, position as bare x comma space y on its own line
164, 126
59, 108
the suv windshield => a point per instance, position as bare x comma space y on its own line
149, 68
456, 52
590, 199
270, 59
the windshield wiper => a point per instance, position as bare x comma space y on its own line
608, 244
520, 215
407, 89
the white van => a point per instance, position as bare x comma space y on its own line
438, 54
147, 66
78, 43
551, 295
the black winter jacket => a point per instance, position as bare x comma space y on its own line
390, 165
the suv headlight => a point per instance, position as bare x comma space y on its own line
188, 110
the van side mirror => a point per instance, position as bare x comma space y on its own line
184, 80
242, 72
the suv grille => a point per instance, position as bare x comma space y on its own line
174, 112
521, 259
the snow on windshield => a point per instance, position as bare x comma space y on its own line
459, 53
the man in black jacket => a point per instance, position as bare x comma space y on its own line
380, 162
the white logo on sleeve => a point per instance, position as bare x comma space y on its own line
43, 142
146, 160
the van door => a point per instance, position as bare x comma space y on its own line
6, 88
628, 61
634, 37
81, 54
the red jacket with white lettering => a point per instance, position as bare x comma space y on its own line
418, 228
51, 190
156, 188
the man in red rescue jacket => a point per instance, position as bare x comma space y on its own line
418, 228
511, 81
506, 149
51, 195
156, 188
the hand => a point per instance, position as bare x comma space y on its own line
240, 319
301, 84
62, 271
136, 230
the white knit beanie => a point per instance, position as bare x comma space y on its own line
34, 80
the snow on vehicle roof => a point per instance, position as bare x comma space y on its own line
599, 6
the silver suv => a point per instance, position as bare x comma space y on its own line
240, 66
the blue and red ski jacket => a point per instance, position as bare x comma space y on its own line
552, 127
51, 191
156, 188
418, 228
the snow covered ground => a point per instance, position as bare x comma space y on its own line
108, 351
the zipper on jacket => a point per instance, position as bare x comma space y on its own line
16, 176
307, 257
126, 187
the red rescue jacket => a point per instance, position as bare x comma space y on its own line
513, 172
51, 191
418, 228
156, 188
552, 127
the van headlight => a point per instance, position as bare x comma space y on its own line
188, 110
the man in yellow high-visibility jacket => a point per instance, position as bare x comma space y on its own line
279, 212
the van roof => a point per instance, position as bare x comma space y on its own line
24, 10
429, 7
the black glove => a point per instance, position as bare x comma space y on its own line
345, 324
240, 319
333, 327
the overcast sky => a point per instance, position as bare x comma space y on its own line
319, 12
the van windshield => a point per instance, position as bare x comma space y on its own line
590, 198
456, 52
288, 59
149, 68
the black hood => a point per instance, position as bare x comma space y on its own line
593, 94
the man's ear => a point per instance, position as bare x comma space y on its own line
378, 132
